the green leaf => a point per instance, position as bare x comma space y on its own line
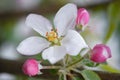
77, 78
89, 63
113, 15
90, 75
76, 57
109, 33
53, 71
38, 57
109, 68
113, 11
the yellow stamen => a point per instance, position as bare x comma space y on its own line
52, 36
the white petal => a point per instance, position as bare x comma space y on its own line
73, 42
65, 18
39, 23
32, 46
54, 53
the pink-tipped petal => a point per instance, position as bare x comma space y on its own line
100, 53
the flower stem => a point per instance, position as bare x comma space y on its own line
75, 70
60, 76
51, 67
65, 78
71, 76
79, 60
67, 57
74, 63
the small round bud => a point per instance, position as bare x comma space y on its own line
82, 17
100, 53
31, 67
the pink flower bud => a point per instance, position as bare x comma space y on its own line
82, 17
100, 53
30, 67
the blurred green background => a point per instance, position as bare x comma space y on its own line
104, 27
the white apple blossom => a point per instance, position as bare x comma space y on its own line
56, 41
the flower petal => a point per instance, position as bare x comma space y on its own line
73, 42
65, 18
54, 53
32, 46
39, 23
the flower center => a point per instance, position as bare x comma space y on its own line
52, 36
